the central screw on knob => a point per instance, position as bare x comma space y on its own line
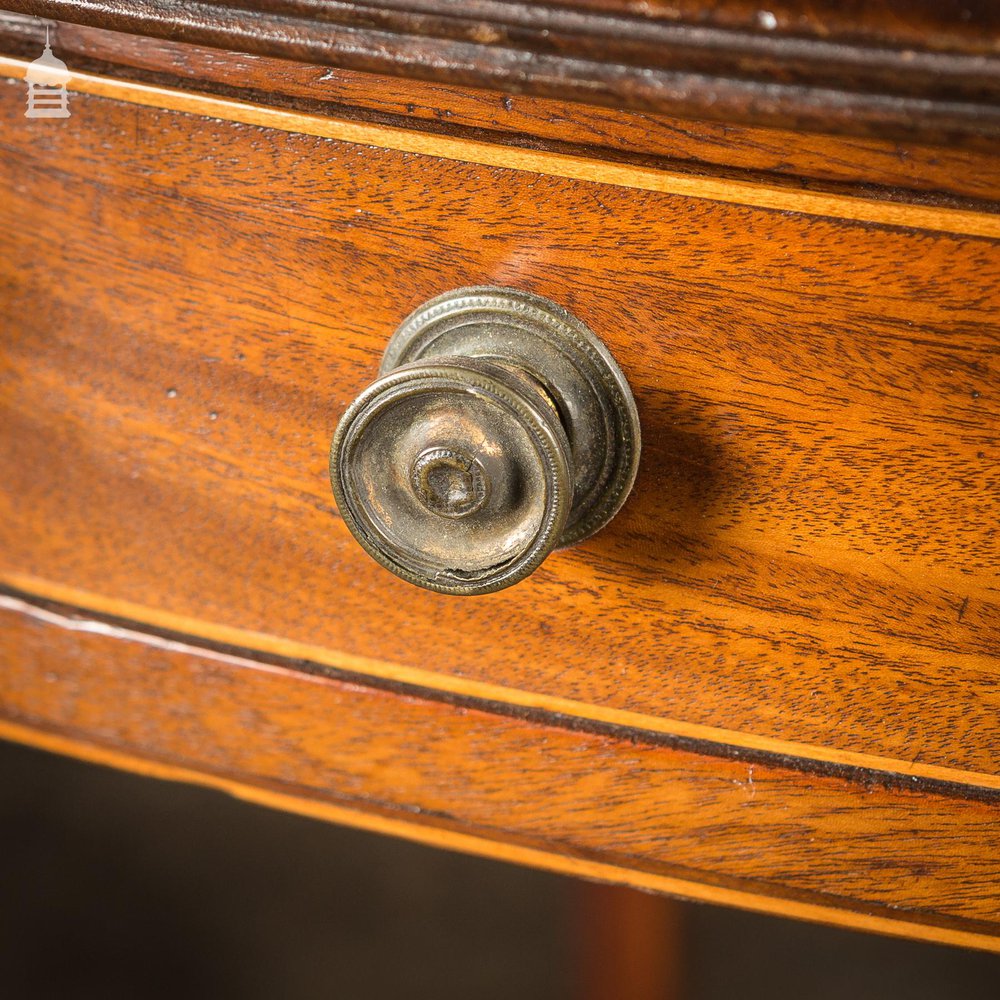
448, 482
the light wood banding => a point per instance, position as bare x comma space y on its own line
760, 836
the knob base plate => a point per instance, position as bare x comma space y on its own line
593, 399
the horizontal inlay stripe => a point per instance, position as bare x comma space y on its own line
497, 850
463, 687
172, 709
536, 161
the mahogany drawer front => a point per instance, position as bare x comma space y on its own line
796, 612
871, 854
808, 560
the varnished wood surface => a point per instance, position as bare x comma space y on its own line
870, 167
857, 850
969, 221
969, 26
809, 561
925, 25
911, 73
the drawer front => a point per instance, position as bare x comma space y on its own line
808, 562
771, 681
870, 854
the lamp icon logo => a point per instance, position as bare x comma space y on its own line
47, 78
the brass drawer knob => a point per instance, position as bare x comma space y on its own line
499, 429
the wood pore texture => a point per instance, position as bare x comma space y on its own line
772, 681
925, 69
876, 167
888, 857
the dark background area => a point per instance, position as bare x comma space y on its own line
114, 886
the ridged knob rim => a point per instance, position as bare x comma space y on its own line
489, 382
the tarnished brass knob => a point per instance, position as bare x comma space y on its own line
500, 428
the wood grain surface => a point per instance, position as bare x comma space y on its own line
875, 168
920, 70
854, 850
973, 220
809, 561
925, 24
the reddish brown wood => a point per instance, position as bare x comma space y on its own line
925, 24
810, 553
855, 849
872, 167
870, 79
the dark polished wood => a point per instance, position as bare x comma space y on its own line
924, 24
864, 167
814, 68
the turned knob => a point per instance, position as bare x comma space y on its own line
500, 428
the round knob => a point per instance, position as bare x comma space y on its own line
500, 429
